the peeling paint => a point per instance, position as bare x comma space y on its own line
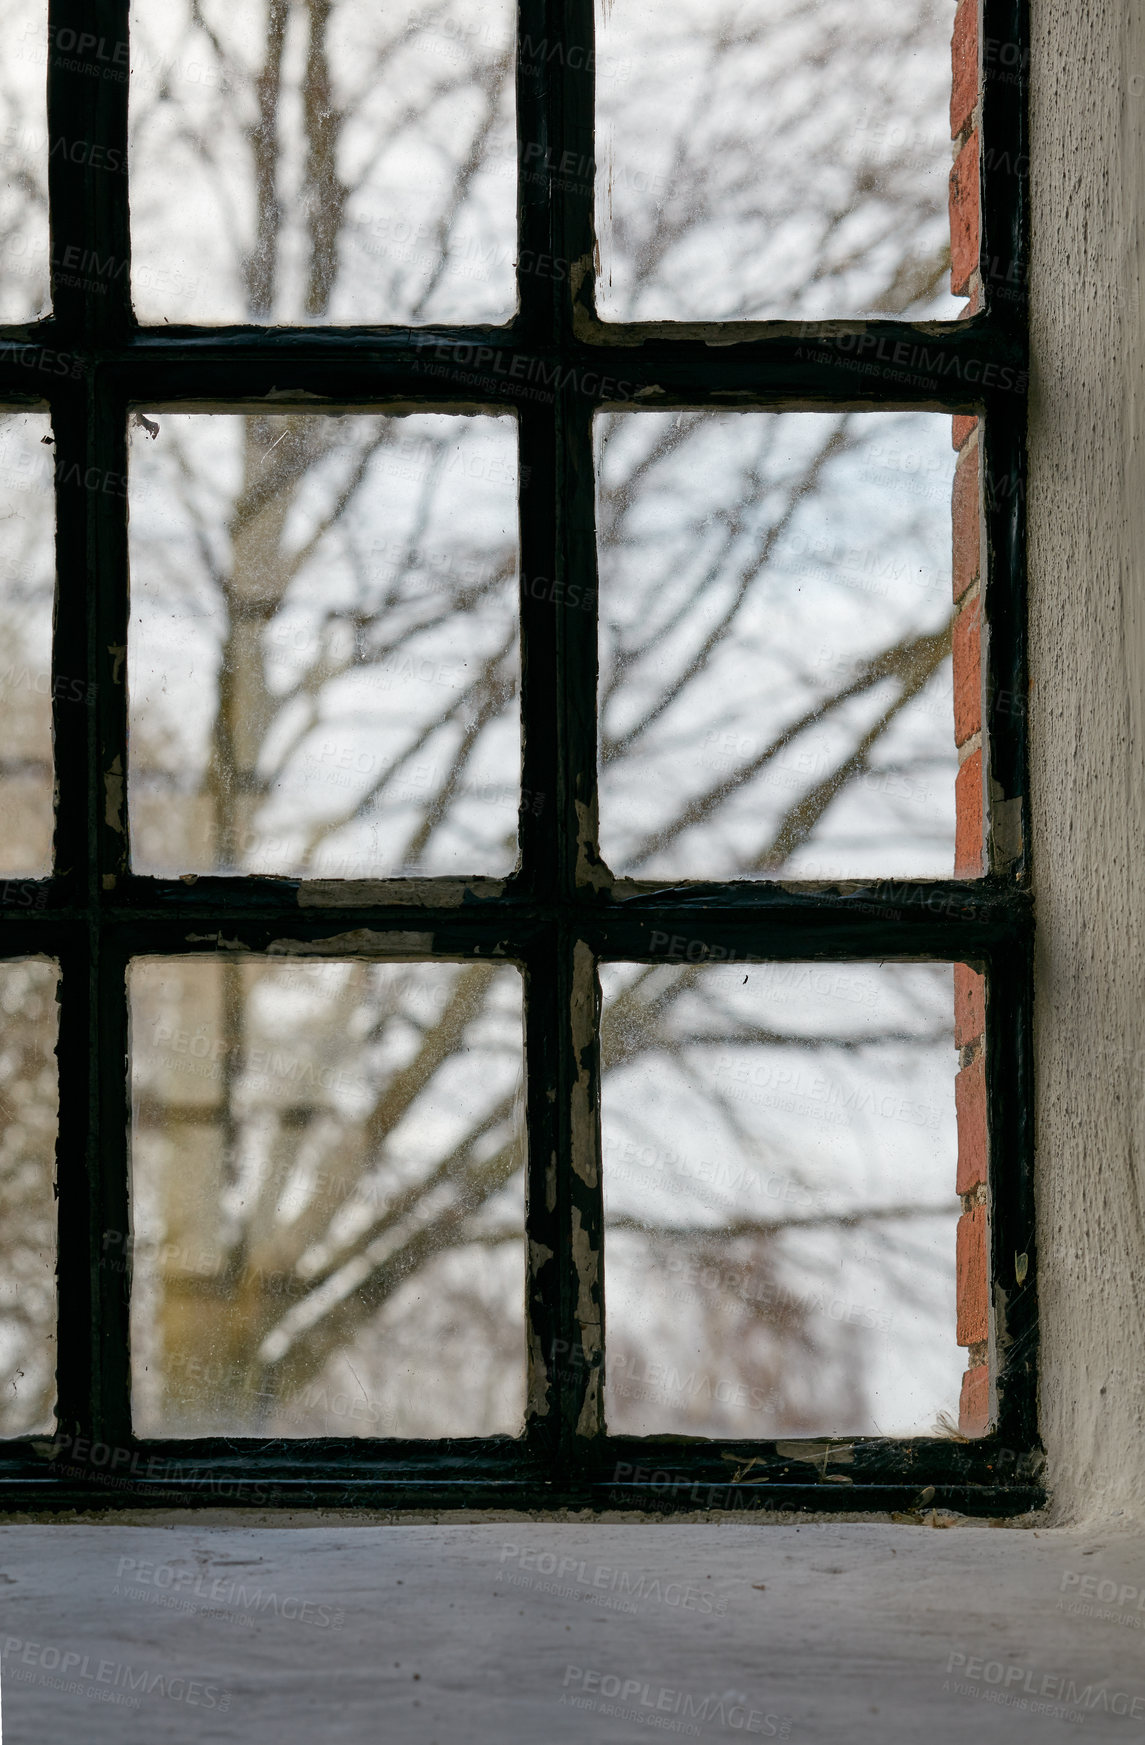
591, 871
587, 1263
818, 1454
360, 940
1005, 826
357, 893
579, 271
539, 1402
585, 1160
590, 1421
113, 797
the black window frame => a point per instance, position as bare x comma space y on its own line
554, 916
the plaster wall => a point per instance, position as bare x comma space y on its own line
1087, 726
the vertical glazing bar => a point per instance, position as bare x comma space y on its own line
87, 103
1004, 242
87, 108
1004, 164
559, 668
573, 156
108, 425
536, 288
1013, 1261
1004, 267
583, 877
546, 1256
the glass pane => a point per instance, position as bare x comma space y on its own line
775, 598
328, 1199
334, 162
24, 291
780, 1152
29, 1110
323, 657
773, 158
27, 586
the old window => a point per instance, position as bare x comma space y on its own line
537, 973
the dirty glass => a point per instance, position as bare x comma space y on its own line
323, 651
327, 1177
24, 291
29, 1109
775, 622
27, 578
772, 158
328, 163
780, 1150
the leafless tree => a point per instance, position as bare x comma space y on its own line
293, 1247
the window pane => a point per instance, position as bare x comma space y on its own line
27, 583
328, 1199
29, 1109
780, 1153
24, 293
323, 654
773, 158
775, 598
335, 162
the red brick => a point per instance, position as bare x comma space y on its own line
964, 63
964, 217
968, 818
973, 1281
964, 428
974, 1405
968, 673
969, 1005
970, 1102
964, 515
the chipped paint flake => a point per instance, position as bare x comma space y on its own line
582, 1114
539, 1401
113, 797
362, 941
1005, 826
591, 871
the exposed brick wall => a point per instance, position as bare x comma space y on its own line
973, 1270
965, 115
973, 1275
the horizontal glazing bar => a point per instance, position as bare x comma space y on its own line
903, 915
651, 1462
945, 365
